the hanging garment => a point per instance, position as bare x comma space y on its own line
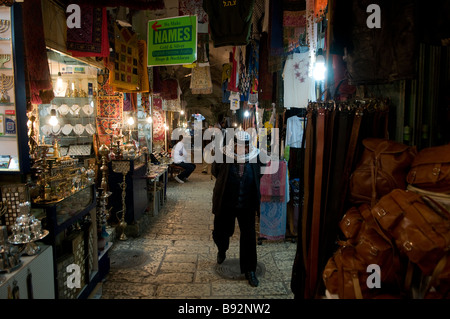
193, 7
226, 76
273, 186
294, 27
91, 40
229, 21
39, 78
234, 101
299, 88
234, 77
201, 82
273, 211
294, 131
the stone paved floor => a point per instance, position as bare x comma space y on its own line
175, 257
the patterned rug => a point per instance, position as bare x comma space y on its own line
109, 117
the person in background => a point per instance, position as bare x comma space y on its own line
236, 194
179, 155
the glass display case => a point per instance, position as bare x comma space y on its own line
14, 150
72, 227
69, 119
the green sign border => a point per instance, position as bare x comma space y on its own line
179, 51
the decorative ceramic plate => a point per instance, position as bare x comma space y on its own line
75, 109
90, 129
78, 129
56, 129
67, 129
87, 109
46, 129
63, 109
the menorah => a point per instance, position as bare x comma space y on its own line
4, 25
4, 58
6, 83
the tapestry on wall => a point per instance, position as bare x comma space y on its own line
91, 40
109, 117
158, 121
124, 75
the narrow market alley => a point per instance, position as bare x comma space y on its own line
175, 256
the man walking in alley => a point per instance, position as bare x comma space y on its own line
179, 155
236, 195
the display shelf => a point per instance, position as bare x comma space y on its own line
13, 87
40, 266
58, 238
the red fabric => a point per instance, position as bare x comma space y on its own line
232, 84
39, 78
91, 40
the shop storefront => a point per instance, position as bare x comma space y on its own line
87, 116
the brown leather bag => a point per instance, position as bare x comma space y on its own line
430, 169
350, 223
383, 167
419, 226
345, 274
372, 245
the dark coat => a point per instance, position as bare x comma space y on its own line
220, 172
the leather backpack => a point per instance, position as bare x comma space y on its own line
383, 167
345, 274
419, 226
430, 169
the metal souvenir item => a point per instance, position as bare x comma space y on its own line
27, 230
4, 25
6, 83
122, 167
4, 58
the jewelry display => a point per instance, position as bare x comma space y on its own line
27, 230
122, 167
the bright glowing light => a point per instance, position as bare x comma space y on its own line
182, 112
149, 119
235, 124
53, 121
246, 113
166, 127
130, 121
319, 68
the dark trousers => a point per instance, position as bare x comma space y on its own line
224, 229
188, 169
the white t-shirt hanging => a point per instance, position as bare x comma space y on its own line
294, 131
299, 87
234, 101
